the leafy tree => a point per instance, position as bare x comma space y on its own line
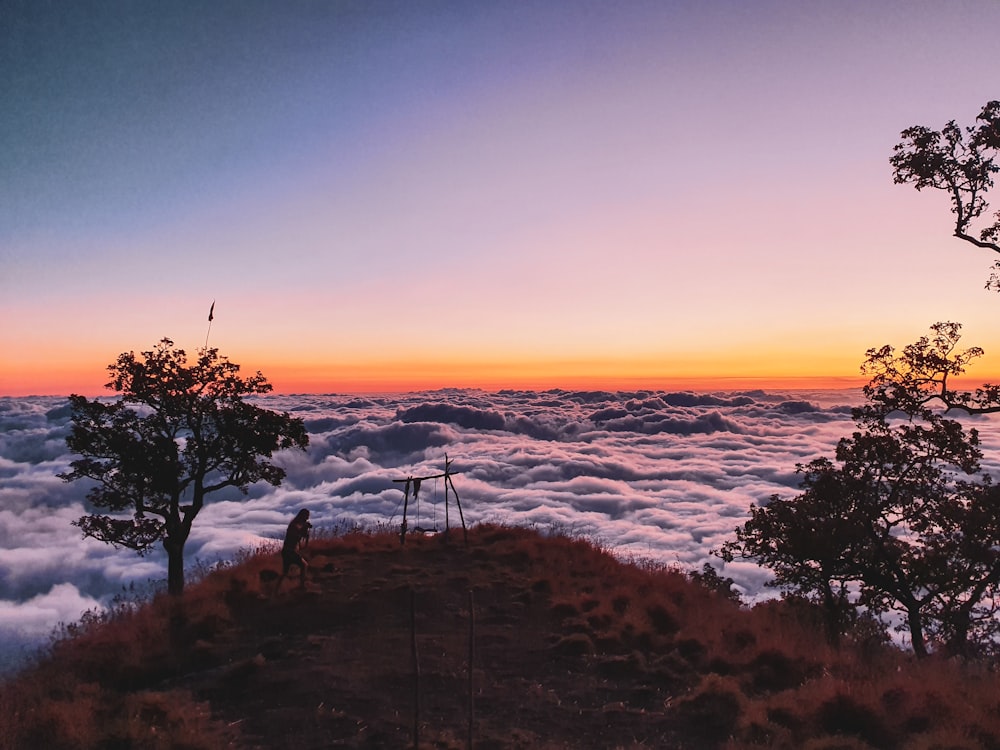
903, 520
921, 375
709, 577
178, 433
962, 162
806, 542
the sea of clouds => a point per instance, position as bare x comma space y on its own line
648, 474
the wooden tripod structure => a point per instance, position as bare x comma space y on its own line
413, 483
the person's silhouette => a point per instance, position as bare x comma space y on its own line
296, 537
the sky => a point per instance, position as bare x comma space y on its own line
386, 196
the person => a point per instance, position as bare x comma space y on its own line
296, 537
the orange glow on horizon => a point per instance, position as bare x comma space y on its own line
396, 376
401, 377
405, 377
375, 384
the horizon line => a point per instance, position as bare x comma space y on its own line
392, 386
399, 386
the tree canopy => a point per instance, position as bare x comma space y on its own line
961, 162
903, 520
922, 375
177, 433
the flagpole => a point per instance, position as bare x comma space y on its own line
211, 316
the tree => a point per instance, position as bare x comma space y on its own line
921, 375
903, 520
807, 544
962, 162
178, 433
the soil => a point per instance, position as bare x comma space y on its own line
375, 652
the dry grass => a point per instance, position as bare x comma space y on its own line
574, 648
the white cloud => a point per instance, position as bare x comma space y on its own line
26, 624
667, 476
37, 615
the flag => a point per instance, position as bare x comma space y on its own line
211, 311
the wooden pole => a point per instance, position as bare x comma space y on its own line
447, 463
406, 501
465, 531
472, 656
416, 669
415, 482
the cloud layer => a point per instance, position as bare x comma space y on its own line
650, 474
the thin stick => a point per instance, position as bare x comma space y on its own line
447, 467
472, 655
406, 502
461, 515
211, 317
416, 670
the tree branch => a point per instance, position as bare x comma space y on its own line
978, 243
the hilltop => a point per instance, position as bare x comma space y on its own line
571, 648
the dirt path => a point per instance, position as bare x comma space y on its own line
332, 665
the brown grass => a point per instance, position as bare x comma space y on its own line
573, 648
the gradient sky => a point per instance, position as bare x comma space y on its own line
421, 194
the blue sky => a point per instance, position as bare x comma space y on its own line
465, 193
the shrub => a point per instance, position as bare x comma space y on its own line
843, 714
712, 711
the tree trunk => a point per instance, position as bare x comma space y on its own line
913, 619
832, 616
175, 566
961, 623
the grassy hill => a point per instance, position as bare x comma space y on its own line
570, 648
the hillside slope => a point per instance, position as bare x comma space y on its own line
570, 648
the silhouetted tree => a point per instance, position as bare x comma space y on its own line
903, 520
962, 162
709, 577
178, 433
920, 376
807, 543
